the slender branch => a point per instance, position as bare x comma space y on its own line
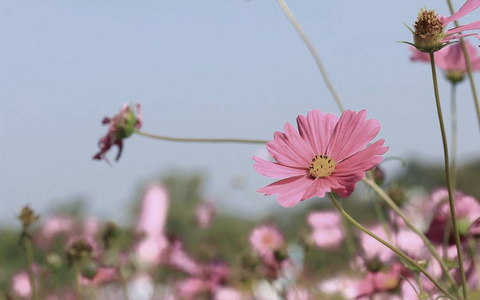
447, 174
388, 245
454, 134
312, 50
410, 225
199, 140
469, 66
31, 276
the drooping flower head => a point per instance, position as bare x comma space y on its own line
429, 30
120, 127
325, 154
452, 60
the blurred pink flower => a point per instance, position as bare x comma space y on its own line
21, 285
265, 239
298, 294
451, 58
228, 293
467, 211
204, 213
380, 282
181, 260
120, 127
153, 211
55, 225
456, 33
373, 249
325, 154
411, 244
327, 229
91, 227
102, 275
189, 288
149, 251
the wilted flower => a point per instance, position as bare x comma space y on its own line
81, 247
327, 229
452, 60
120, 127
429, 34
27, 217
326, 154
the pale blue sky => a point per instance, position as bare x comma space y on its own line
211, 68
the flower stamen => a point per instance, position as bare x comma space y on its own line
322, 166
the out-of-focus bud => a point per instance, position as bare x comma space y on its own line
378, 175
54, 260
81, 248
27, 217
110, 232
397, 194
88, 269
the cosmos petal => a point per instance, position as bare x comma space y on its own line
290, 190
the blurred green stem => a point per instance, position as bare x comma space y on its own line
312, 50
28, 248
78, 281
199, 140
454, 134
388, 245
447, 174
469, 66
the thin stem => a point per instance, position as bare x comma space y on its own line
469, 67
31, 276
410, 225
199, 140
312, 50
78, 281
447, 174
388, 245
453, 112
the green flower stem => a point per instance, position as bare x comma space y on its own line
447, 173
388, 245
28, 247
199, 140
469, 66
472, 244
410, 225
312, 50
78, 281
453, 155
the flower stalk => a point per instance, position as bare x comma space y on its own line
454, 134
28, 248
469, 67
447, 174
199, 140
388, 245
314, 53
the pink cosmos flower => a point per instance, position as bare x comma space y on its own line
149, 251
451, 58
153, 211
265, 239
119, 127
21, 285
327, 229
325, 154
204, 213
456, 33
228, 293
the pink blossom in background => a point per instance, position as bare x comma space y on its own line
265, 239
181, 260
205, 213
467, 211
148, 252
91, 227
339, 285
411, 244
380, 282
327, 229
56, 225
103, 275
373, 249
153, 211
325, 154
189, 288
21, 285
228, 293
456, 33
298, 294
451, 58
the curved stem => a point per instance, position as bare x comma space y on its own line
199, 140
388, 245
314, 53
469, 67
453, 155
31, 276
410, 225
447, 174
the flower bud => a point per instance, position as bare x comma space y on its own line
428, 31
27, 217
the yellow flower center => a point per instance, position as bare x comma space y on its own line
322, 166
